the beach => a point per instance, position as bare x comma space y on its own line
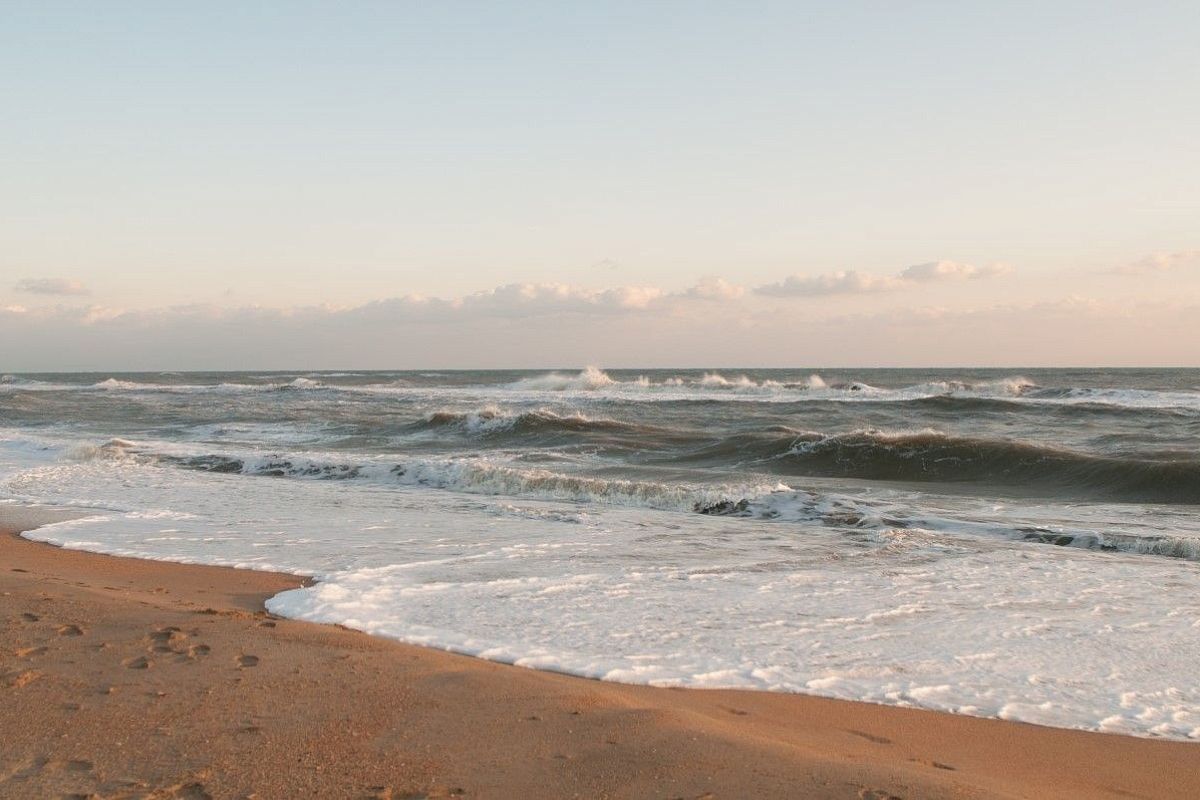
591, 400
980, 542
131, 678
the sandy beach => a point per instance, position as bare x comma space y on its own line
126, 678
663, 401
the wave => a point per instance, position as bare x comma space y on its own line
592, 379
933, 456
1015, 389
473, 475
1120, 398
593, 382
1183, 547
880, 517
218, 388
764, 500
886, 523
17, 383
113, 383
491, 420
589, 379
715, 385
480, 476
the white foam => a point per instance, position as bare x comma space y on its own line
926, 613
489, 418
593, 383
590, 379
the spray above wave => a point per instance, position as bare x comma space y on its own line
492, 420
592, 379
594, 383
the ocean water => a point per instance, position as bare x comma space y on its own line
1016, 544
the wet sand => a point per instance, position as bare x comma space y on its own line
122, 678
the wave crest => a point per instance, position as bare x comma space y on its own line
491, 419
930, 455
589, 379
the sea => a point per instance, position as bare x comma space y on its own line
1021, 544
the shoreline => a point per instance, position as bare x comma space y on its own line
133, 678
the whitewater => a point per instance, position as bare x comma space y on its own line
1021, 544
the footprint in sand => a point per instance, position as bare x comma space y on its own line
878, 794
164, 640
30, 617
198, 650
247, 661
70, 630
189, 791
141, 662
17, 680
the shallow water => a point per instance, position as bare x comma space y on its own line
1021, 544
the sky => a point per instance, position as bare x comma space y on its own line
553, 184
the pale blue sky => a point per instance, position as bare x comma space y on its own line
287, 154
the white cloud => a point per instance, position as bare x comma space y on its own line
952, 270
853, 282
528, 300
518, 300
531, 299
53, 286
840, 282
714, 288
1160, 262
614, 329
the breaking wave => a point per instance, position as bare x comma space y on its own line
763, 500
471, 475
593, 382
491, 420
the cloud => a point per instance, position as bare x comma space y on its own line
1160, 262
840, 282
952, 270
514, 301
853, 282
518, 301
713, 288
529, 300
54, 286
420, 333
